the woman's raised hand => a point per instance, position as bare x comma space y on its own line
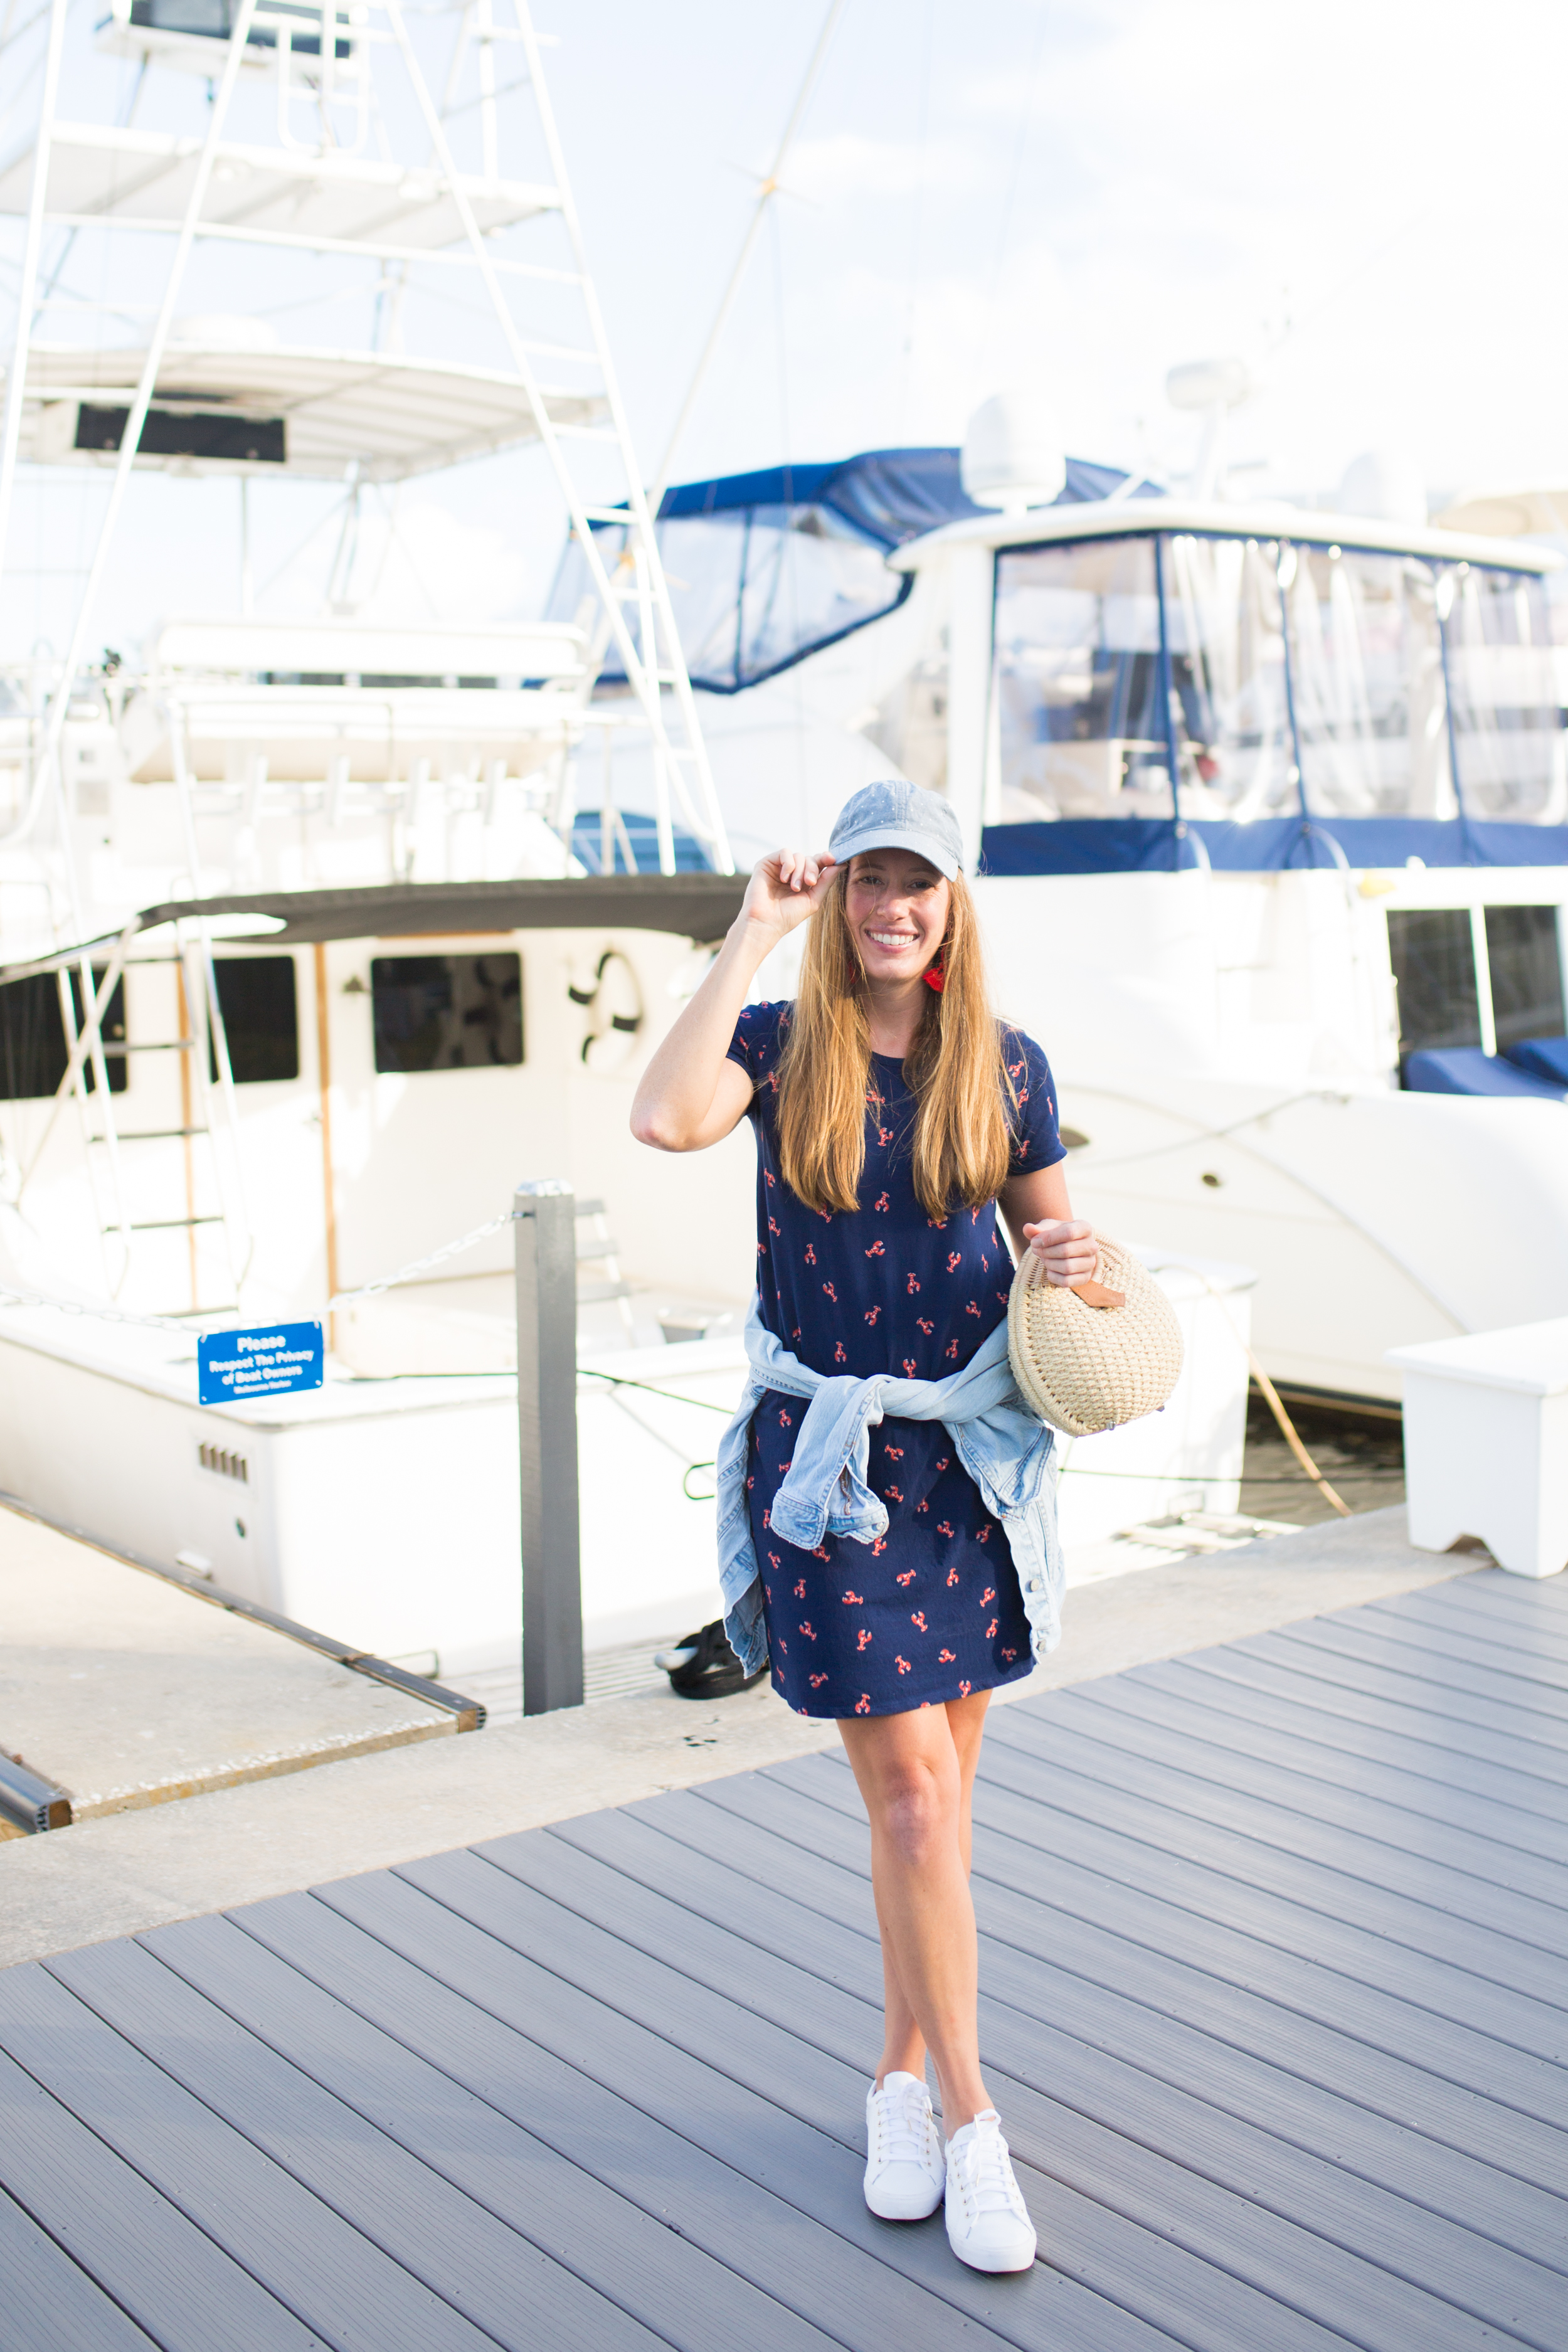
785, 889
1066, 1250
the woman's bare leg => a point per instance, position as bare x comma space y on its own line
916, 1774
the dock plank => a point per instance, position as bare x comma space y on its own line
745, 1966
1273, 2001
1249, 2175
50, 2301
1352, 1734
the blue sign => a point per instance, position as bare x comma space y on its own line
271, 1360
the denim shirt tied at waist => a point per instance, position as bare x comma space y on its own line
1006, 1450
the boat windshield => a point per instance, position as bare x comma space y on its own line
1272, 675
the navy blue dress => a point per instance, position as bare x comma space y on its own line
932, 1611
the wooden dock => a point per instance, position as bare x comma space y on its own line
1275, 1972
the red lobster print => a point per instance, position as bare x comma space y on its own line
982, 1535
828, 1292
991, 1630
838, 1355
954, 1260
817, 1681
862, 1705
988, 1596
862, 1639
894, 1453
785, 1420
800, 1588
917, 1617
853, 1601
944, 1463
922, 1325
774, 1228
811, 1253
775, 1560
893, 1493
882, 1201
963, 1690
884, 1136
872, 1313
971, 1307
910, 1368
1009, 1655
810, 1636
953, 1351
819, 1551
877, 1249
944, 1526
912, 1284
906, 1576
923, 1505
879, 1546
947, 1657
903, 1666
952, 1576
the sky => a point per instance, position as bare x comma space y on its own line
1364, 200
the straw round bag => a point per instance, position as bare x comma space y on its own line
1105, 1351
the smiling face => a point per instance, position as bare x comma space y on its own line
897, 907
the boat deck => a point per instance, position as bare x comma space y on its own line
1275, 2009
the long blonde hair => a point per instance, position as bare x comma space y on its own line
956, 1069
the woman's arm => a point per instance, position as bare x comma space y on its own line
691, 1093
1038, 1216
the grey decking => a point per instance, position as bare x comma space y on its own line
1275, 2008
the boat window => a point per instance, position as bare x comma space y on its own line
1226, 629
447, 1011
33, 1050
1078, 682
260, 1017
1434, 962
1526, 963
1511, 745
1366, 671
754, 588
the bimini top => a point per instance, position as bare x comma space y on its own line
220, 409
767, 568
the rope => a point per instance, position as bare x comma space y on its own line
422, 1265
194, 1324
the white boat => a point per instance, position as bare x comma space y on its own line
1269, 806
317, 937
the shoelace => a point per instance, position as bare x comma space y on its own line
903, 2127
984, 2176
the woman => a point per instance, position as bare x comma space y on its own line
876, 1543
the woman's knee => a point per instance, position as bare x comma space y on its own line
918, 1808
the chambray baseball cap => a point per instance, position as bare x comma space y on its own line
899, 816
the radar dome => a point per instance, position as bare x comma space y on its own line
1013, 455
1384, 484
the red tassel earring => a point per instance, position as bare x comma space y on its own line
937, 976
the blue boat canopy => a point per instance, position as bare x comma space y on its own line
769, 567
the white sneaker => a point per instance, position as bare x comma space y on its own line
903, 2150
988, 2226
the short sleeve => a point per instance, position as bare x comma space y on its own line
1036, 1139
755, 1044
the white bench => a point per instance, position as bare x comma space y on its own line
1486, 1444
